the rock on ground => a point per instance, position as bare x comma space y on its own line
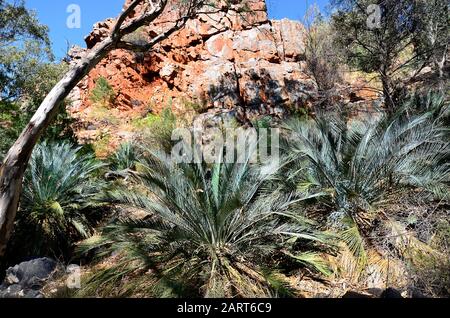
26, 279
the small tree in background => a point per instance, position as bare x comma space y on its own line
322, 59
380, 37
103, 93
27, 74
24, 45
432, 20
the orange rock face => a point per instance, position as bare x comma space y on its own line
233, 59
226, 59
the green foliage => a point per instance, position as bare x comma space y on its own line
138, 37
27, 74
60, 129
263, 123
101, 113
17, 22
355, 167
363, 37
102, 145
157, 130
14, 118
431, 40
24, 50
126, 157
200, 104
428, 264
431, 274
103, 93
59, 186
391, 47
208, 231
233, 230
145, 122
11, 124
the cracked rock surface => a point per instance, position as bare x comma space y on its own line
228, 59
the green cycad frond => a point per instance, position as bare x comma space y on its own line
312, 260
365, 161
355, 242
353, 166
59, 184
210, 228
125, 157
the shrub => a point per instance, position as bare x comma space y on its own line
125, 158
103, 93
13, 119
321, 55
429, 269
157, 130
207, 232
59, 187
102, 145
356, 167
100, 113
11, 125
429, 262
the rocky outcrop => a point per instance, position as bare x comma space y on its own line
228, 59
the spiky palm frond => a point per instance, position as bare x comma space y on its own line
354, 167
209, 230
355, 242
59, 184
125, 157
361, 163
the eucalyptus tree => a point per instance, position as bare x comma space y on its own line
394, 39
23, 43
432, 19
15, 162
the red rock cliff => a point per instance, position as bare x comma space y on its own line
225, 60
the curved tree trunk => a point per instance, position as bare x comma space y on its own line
16, 161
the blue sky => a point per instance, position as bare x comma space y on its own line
54, 14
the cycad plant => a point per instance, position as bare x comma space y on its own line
125, 157
59, 186
124, 160
353, 167
208, 231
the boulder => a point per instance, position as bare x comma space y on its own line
391, 293
353, 294
27, 278
231, 59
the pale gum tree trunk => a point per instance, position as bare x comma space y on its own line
16, 161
